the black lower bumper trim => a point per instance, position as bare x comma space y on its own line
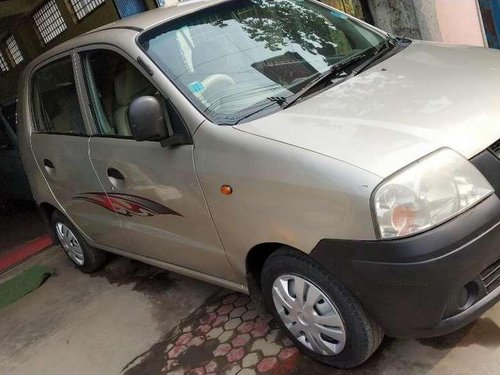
460, 320
408, 284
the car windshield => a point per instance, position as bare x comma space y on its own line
237, 58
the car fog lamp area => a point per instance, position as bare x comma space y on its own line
427, 193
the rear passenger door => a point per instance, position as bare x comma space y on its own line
60, 143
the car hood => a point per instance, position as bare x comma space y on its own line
425, 97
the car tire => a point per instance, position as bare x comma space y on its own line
357, 335
86, 258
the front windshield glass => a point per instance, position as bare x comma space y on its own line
236, 58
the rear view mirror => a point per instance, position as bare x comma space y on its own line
146, 119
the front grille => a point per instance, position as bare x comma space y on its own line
495, 148
491, 277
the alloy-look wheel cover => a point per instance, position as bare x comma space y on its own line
309, 314
70, 244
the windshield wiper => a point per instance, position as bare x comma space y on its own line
370, 54
267, 103
331, 73
386, 47
337, 68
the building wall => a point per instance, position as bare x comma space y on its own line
450, 21
460, 22
396, 17
425, 11
353, 7
31, 46
447, 21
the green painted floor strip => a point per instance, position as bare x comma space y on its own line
24, 283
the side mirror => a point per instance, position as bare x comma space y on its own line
146, 119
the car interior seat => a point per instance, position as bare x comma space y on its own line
129, 85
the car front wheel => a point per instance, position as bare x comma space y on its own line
319, 314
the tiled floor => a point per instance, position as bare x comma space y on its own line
225, 336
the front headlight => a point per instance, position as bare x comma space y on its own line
427, 193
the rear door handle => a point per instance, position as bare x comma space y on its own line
49, 166
115, 173
48, 163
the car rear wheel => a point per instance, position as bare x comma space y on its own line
85, 257
319, 314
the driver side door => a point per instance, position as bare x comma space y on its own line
154, 189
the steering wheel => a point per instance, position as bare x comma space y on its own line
213, 85
216, 80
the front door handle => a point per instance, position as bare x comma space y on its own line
49, 166
115, 173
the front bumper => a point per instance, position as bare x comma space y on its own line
414, 287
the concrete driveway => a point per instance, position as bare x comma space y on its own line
80, 324
135, 319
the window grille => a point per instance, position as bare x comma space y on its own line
49, 21
3, 64
84, 7
14, 51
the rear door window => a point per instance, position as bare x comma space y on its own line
55, 99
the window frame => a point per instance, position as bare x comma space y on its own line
80, 52
35, 129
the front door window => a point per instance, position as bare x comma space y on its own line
113, 84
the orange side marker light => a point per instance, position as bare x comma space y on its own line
226, 190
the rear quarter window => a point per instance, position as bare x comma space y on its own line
55, 100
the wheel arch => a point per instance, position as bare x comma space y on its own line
46, 211
257, 256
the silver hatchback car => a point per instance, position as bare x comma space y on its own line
279, 148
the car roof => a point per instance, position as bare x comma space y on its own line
139, 22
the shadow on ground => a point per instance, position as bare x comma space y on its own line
20, 223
